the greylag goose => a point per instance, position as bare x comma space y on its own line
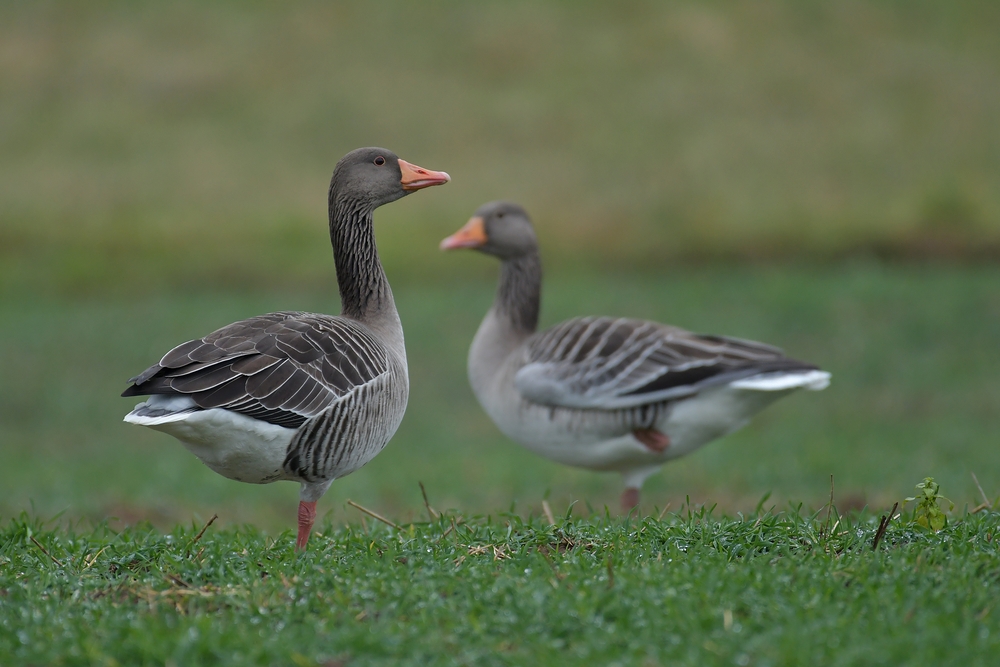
607, 393
299, 396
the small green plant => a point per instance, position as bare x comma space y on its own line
927, 512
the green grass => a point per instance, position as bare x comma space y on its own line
691, 589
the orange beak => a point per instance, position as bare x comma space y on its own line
472, 235
417, 178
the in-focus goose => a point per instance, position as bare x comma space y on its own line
299, 396
607, 393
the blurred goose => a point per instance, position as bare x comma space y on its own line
299, 396
607, 393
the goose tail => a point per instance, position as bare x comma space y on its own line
813, 380
160, 409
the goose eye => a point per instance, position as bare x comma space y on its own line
500, 214
379, 160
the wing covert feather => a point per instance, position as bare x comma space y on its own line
606, 363
283, 367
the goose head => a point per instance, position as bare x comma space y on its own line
371, 177
502, 229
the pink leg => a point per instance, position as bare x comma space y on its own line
307, 516
652, 438
630, 498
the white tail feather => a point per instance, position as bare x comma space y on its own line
159, 409
812, 380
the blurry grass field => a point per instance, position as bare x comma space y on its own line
170, 143
911, 350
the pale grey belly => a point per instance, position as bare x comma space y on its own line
602, 439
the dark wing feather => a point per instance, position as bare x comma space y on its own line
283, 368
600, 362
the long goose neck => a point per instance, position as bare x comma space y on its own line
365, 295
512, 320
519, 293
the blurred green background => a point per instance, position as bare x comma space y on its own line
821, 176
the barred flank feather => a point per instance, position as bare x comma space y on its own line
347, 436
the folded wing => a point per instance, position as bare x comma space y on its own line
282, 368
606, 363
